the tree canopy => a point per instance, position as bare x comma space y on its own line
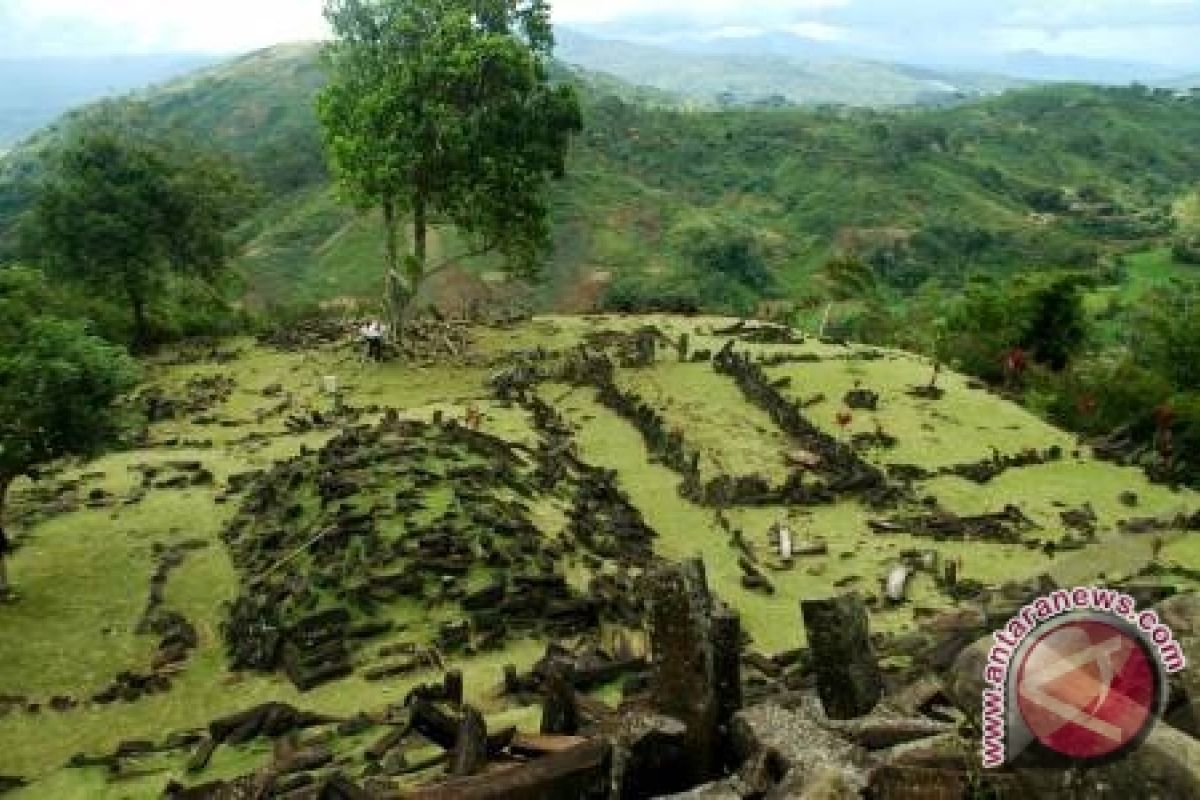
443, 110
121, 209
60, 382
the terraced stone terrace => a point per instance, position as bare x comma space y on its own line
264, 541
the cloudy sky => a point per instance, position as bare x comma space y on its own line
1155, 31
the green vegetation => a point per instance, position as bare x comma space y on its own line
117, 211
447, 113
60, 385
1110, 363
1047, 178
74, 626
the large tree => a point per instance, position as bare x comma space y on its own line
120, 209
442, 112
60, 384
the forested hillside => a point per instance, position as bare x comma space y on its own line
1041, 178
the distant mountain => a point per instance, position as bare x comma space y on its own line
1186, 82
1053, 176
770, 43
718, 73
36, 91
978, 67
1038, 66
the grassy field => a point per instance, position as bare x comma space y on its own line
83, 575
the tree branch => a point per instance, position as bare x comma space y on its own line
479, 251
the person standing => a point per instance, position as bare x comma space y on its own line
372, 334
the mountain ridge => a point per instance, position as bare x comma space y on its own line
35, 91
714, 77
1046, 177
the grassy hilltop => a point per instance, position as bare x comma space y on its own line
93, 535
256, 541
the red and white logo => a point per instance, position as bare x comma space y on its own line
1087, 689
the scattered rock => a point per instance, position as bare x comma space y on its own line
807, 754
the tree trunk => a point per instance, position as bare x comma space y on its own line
392, 257
141, 328
391, 278
5, 482
420, 254
420, 231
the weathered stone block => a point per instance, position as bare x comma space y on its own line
848, 676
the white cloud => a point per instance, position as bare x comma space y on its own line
733, 32
900, 29
156, 26
819, 31
1082, 13
602, 11
65, 26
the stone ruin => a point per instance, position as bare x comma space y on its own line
200, 395
331, 544
1007, 526
851, 715
308, 334
761, 333
842, 469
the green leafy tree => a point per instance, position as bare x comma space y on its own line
121, 209
60, 384
847, 277
442, 111
726, 251
1169, 334
979, 327
1056, 327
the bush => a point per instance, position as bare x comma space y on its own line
1186, 250
1099, 397
640, 295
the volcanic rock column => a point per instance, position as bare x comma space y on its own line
695, 662
848, 677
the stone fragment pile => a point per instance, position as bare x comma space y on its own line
340, 547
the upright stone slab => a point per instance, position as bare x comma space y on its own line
727, 664
560, 711
452, 686
683, 681
848, 677
470, 746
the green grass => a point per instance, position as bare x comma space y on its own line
83, 577
961, 428
1148, 272
694, 399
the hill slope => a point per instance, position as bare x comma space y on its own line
1047, 177
36, 91
195, 496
